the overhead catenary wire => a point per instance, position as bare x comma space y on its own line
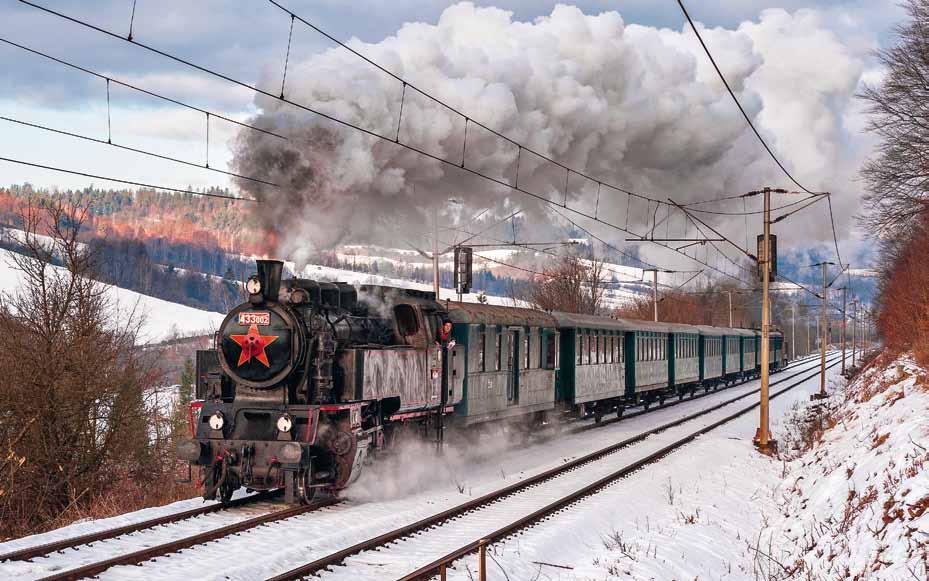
814, 197
748, 120
332, 118
738, 104
110, 143
127, 182
468, 119
127, 85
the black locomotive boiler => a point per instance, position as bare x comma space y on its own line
302, 380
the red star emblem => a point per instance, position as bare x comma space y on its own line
253, 345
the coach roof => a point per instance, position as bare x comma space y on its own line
475, 313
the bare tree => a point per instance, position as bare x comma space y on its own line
898, 177
570, 284
75, 412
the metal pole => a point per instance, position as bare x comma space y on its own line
655, 292
825, 331
730, 308
793, 331
809, 348
765, 258
854, 329
435, 252
844, 306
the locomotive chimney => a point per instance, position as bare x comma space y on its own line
269, 273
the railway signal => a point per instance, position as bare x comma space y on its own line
464, 275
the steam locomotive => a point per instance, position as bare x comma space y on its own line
308, 379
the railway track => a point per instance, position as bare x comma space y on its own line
159, 550
28, 553
148, 553
446, 518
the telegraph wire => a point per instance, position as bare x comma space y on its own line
129, 182
377, 135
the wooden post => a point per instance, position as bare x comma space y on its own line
442, 576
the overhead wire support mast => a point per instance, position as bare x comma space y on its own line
824, 330
751, 125
499, 181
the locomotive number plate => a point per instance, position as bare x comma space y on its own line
251, 318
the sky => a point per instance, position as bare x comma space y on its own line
631, 99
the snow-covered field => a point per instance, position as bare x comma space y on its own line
161, 319
716, 476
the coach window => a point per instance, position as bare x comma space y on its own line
527, 352
598, 339
498, 350
482, 347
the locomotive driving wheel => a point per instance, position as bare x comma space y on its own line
226, 489
305, 492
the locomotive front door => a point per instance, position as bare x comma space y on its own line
512, 380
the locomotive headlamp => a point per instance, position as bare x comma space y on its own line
217, 420
290, 453
253, 285
284, 423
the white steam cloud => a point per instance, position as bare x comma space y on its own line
636, 106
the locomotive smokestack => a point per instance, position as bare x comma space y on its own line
269, 273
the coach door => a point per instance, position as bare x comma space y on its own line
512, 366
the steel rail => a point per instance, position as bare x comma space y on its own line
338, 557
434, 568
29, 553
146, 554
86, 539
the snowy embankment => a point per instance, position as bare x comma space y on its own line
161, 319
855, 505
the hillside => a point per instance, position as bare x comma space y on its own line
162, 319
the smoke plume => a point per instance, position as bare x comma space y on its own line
636, 106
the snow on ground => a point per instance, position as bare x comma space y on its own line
856, 506
162, 319
412, 485
694, 515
